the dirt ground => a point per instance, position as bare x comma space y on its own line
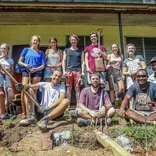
26, 141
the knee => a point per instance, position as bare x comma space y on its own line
111, 111
65, 102
2, 93
121, 90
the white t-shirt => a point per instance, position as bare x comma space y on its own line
50, 94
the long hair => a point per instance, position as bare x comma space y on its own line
55, 39
118, 52
39, 39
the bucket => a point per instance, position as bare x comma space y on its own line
18, 78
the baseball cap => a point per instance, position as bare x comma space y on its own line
153, 60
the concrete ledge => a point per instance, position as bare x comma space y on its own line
107, 142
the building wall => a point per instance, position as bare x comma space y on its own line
20, 34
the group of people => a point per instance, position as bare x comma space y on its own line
93, 102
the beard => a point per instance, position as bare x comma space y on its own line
95, 85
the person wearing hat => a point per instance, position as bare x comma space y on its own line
152, 78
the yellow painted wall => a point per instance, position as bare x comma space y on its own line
20, 34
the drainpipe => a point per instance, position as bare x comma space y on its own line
121, 34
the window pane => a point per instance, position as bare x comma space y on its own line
150, 48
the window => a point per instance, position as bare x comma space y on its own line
145, 46
83, 42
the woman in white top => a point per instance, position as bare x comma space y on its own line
5, 83
54, 59
115, 59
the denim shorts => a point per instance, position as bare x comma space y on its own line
25, 74
6, 83
47, 74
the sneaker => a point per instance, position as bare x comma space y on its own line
3, 117
109, 121
42, 124
29, 121
83, 122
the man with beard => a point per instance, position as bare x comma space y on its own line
94, 103
53, 103
144, 94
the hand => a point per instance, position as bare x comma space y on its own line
94, 114
53, 66
27, 66
33, 70
122, 112
19, 86
65, 74
89, 70
42, 110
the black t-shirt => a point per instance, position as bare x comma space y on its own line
73, 59
142, 97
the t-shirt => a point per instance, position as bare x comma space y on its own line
133, 65
73, 59
50, 94
6, 64
34, 59
142, 97
152, 78
92, 56
92, 100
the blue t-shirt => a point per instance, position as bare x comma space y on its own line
34, 59
142, 97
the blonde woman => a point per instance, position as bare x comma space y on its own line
32, 61
54, 59
5, 83
115, 59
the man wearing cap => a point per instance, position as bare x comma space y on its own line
144, 94
152, 78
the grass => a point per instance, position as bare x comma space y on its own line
135, 131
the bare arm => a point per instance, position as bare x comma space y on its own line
87, 64
64, 62
60, 99
104, 55
124, 105
33, 86
143, 65
21, 63
125, 72
61, 58
83, 63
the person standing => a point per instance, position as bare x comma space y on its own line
132, 64
5, 83
32, 60
54, 59
73, 67
152, 77
115, 59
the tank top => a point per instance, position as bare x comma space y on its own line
53, 59
115, 61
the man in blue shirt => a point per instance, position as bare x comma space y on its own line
144, 94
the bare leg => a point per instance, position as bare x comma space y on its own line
2, 102
24, 82
110, 113
77, 90
121, 87
69, 88
111, 87
130, 114
10, 95
59, 110
84, 115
